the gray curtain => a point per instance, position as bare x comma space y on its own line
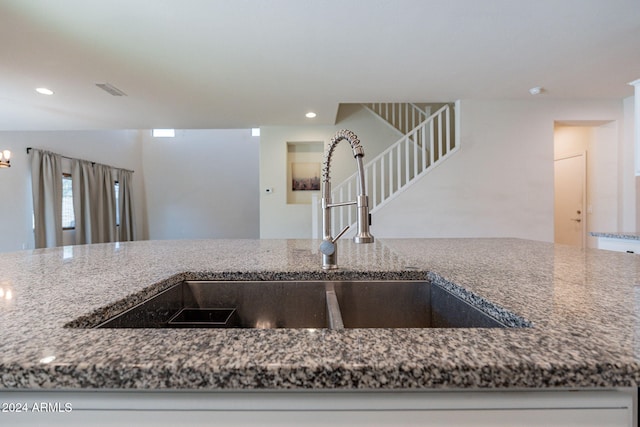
103, 205
126, 230
82, 180
94, 201
46, 185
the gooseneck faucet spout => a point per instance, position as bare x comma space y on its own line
328, 246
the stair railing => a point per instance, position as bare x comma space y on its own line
392, 171
402, 116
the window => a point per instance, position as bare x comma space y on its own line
68, 218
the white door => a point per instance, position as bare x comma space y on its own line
570, 194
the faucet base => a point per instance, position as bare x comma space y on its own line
330, 260
363, 239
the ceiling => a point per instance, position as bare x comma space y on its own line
247, 63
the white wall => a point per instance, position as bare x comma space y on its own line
500, 183
202, 184
118, 148
281, 220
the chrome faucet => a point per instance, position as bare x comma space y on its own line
328, 246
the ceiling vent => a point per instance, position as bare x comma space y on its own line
111, 89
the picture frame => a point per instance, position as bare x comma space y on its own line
305, 176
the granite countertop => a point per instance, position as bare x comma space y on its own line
582, 306
617, 235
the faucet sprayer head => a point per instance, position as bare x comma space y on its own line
363, 237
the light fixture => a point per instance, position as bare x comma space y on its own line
310, 115
535, 90
5, 159
163, 133
44, 91
255, 131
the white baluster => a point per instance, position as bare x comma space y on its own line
399, 166
423, 134
440, 140
339, 219
406, 160
382, 180
415, 155
431, 144
405, 123
391, 190
348, 211
375, 187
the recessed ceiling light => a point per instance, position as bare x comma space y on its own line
163, 133
44, 91
535, 90
255, 131
310, 115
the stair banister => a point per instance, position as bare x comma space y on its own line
409, 158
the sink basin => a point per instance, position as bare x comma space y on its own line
257, 305
406, 304
304, 304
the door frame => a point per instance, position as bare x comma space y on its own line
582, 154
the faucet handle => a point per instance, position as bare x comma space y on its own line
344, 230
328, 247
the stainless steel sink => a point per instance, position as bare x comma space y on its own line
304, 304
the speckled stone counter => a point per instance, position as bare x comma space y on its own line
617, 235
582, 306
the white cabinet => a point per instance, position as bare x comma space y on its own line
619, 245
330, 408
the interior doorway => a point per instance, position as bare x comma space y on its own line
586, 159
570, 177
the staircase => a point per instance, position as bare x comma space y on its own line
402, 116
427, 141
